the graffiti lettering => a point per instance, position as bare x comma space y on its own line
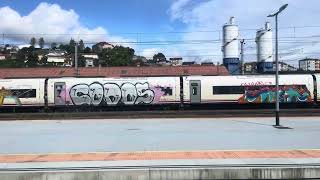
258, 83
145, 95
96, 93
111, 94
129, 93
80, 94
267, 94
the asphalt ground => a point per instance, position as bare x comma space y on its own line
171, 134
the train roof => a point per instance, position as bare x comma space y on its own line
113, 71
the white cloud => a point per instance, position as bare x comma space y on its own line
149, 52
51, 22
250, 14
178, 9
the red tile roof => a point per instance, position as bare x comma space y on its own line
112, 71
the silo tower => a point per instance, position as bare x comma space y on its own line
264, 49
230, 47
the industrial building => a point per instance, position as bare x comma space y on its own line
309, 64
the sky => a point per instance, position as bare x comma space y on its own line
187, 28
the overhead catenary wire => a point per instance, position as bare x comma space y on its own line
14, 39
202, 30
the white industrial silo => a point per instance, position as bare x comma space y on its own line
264, 44
230, 46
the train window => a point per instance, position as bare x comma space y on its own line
227, 90
24, 93
194, 91
241, 89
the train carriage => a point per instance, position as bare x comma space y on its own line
248, 89
22, 92
113, 91
71, 91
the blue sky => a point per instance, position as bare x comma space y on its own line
148, 20
118, 16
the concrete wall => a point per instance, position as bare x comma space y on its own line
169, 173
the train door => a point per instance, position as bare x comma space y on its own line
60, 93
195, 92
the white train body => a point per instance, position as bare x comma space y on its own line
226, 89
113, 91
22, 92
157, 90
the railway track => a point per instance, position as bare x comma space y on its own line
213, 113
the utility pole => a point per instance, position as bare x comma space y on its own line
242, 56
76, 59
277, 76
277, 125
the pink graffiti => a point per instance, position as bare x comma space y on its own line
258, 83
160, 91
65, 96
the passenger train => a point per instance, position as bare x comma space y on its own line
183, 90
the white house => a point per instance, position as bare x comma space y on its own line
90, 58
2, 57
177, 61
56, 56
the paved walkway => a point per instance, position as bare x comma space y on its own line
139, 135
158, 156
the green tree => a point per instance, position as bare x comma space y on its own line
139, 61
23, 53
87, 50
69, 49
81, 61
81, 46
33, 41
159, 57
117, 56
97, 48
32, 58
72, 43
41, 42
12, 63
54, 45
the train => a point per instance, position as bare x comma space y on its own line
164, 91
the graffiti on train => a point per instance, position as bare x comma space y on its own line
267, 94
111, 94
9, 95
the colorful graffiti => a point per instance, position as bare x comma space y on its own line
267, 94
111, 94
8, 94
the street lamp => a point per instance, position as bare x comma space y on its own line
277, 64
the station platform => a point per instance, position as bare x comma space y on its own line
126, 156
166, 149
284, 164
